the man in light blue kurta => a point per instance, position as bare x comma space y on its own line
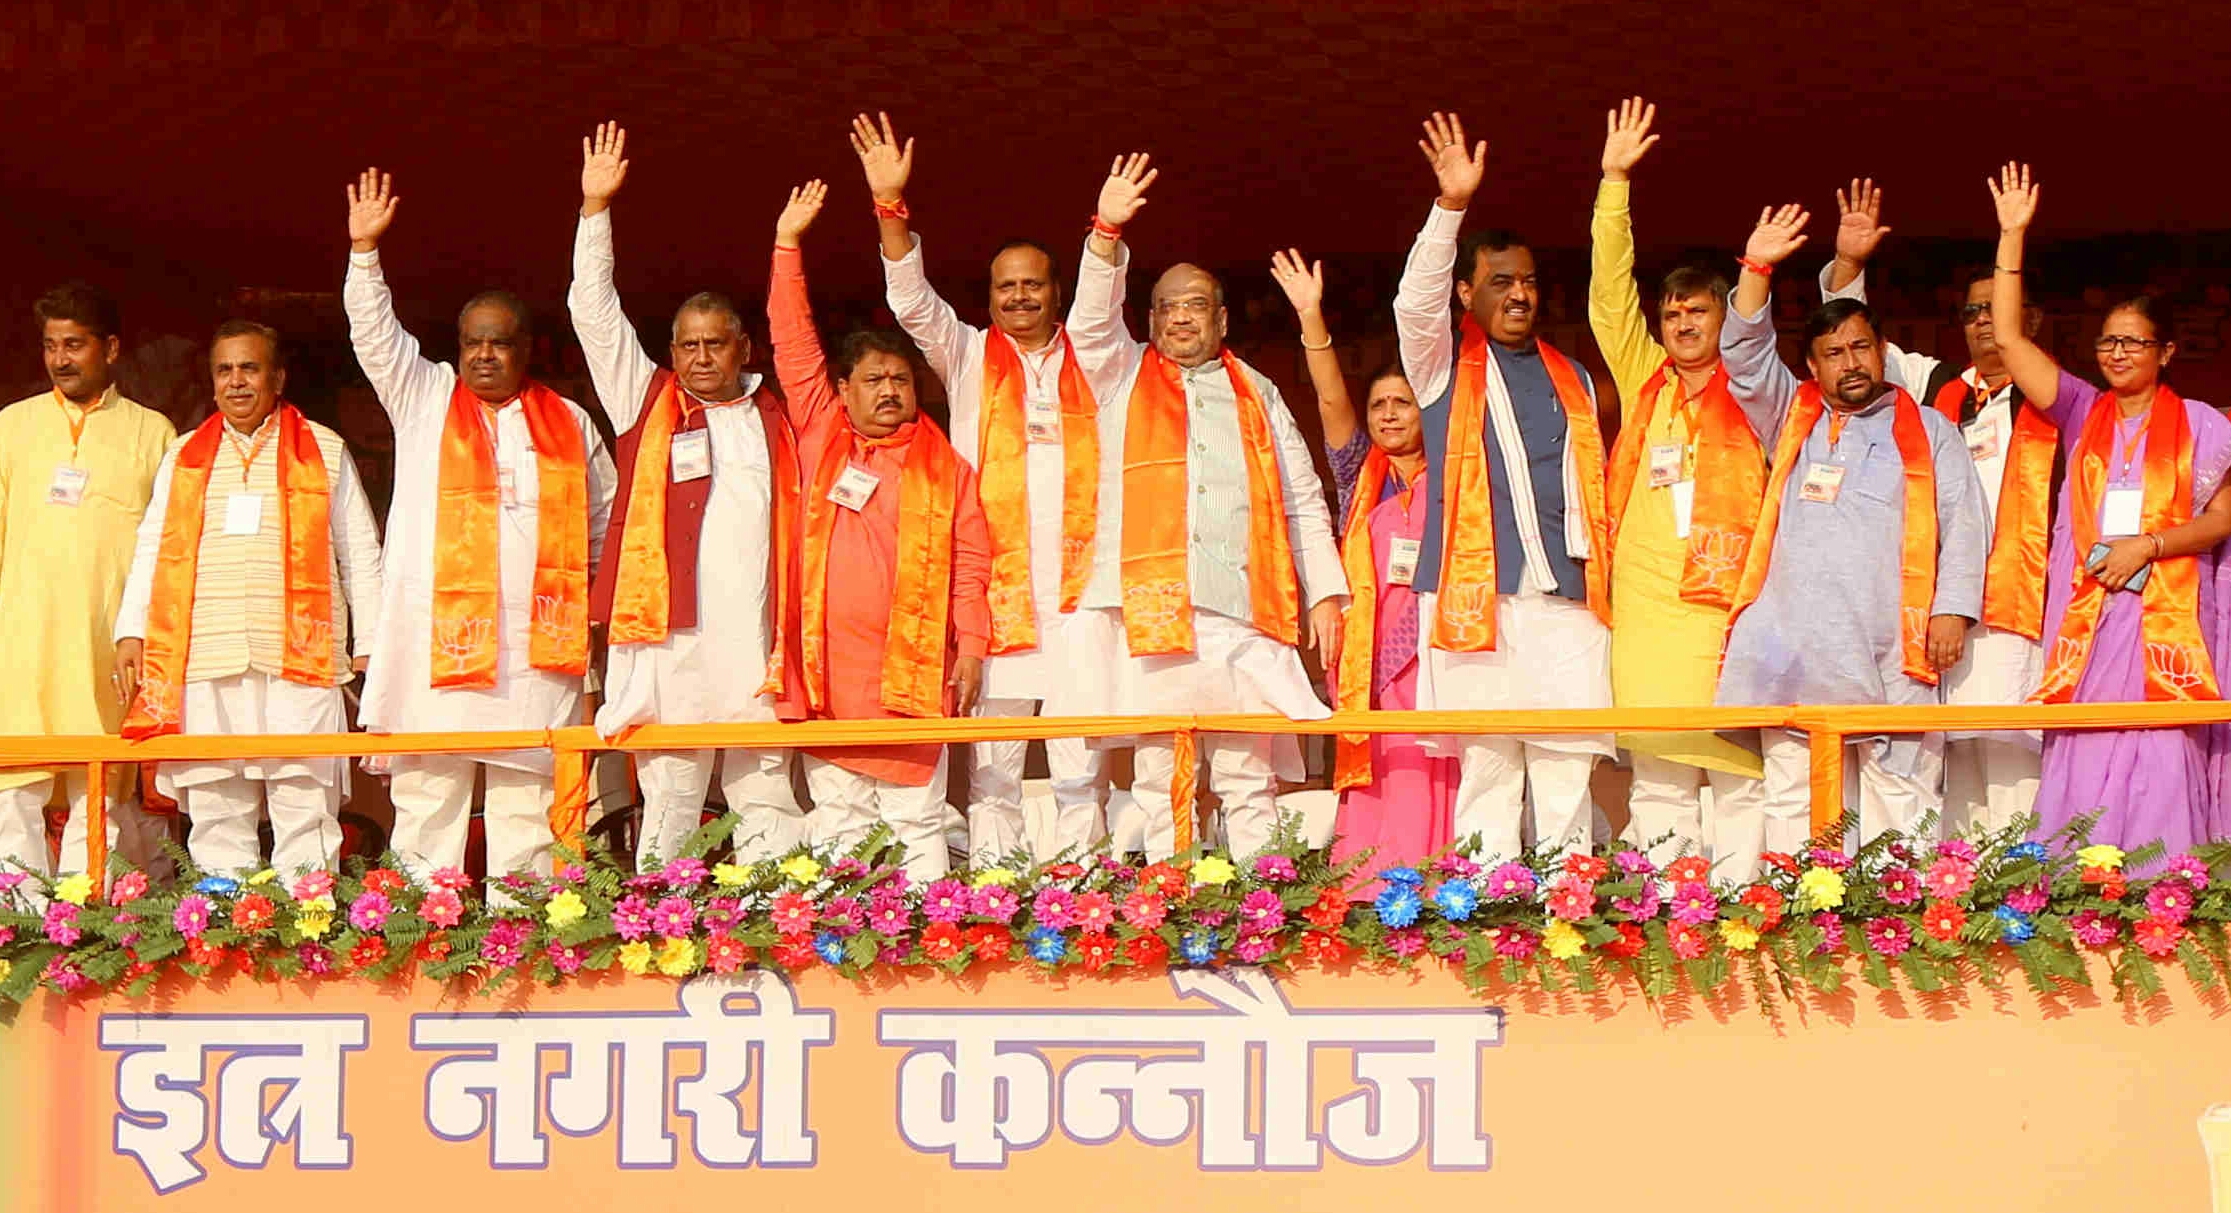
1825, 628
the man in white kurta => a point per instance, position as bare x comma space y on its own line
1233, 667
76, 465
1990, 778
238, 641
1025, 300
1550, 650
712, 672
433, 792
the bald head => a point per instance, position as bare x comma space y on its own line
1188, 320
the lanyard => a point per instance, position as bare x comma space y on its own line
76, 418
255, 448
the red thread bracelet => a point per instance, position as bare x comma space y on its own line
894, 209
1104, 228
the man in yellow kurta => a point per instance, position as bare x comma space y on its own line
1684, 482
77, 463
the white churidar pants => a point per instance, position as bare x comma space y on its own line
755, 782
847, 805
1000, 821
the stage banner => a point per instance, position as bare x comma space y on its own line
1231, 1089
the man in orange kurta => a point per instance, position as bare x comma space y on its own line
896, 562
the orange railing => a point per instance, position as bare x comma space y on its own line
1827, 727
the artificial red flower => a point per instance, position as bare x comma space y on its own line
1164, 879
1768, 901
2114, 887
384, 880
726, 954
991, 941
1097, 951
795, 954
2094, 874
941, 941
1689, 869
2159, 937
1786, 863
793, 915
1587, 867
368, 951
434, 947
252, 913
1325, 948
138, 969
1630, 941
199, 951
1146, 950
1065, 871
1689, 942
1329, 910
1943, 920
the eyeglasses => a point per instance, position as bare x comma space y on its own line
1971, 311
2108, 345
1185, 307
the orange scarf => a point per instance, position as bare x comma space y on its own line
465, 544
1464, 614
2021, 535
1157, 585
306, 550
1359, 629
2177, 662
913, 679
1917, 572
642, 583
1730, 482
1002, 445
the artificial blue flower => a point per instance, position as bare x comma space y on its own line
830, 947
1397, 905
1406, 877
2014, 926
1198, 947
2033, 851
219, 886
1047, 945
1455, 900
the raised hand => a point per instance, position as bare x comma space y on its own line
885, 162
371, 208
800, 212
1457, 171
1859, 225
2015, 196
1627, 136
1778, 234
603, 166
1303, 281
1124, 192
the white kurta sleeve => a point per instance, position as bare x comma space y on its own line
1421, 305
139, 585
932, 323
618, 366
1098, 334
409, 386
356, 554
1909, 369
1308, 522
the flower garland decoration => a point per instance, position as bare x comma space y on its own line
1926, 915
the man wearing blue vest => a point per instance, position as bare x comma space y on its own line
1514, 611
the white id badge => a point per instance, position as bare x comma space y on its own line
243, 513
1822, 482
1984, 444
853, 489
504, 486
1042, 420
1684, 505
692, 455
2122, 513
1402, 561
68, 487
1665, 464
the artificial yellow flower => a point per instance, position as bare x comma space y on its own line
732, 875
678, 958
1563, 941
1740, 936
636, 957
74, 889
801, 869
565, 909
2100, 855
1213, 869
323, 902
1820, 889
313, 924
999, 876
6, 967
264, 877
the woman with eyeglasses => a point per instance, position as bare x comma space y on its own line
2132, 609
1397, 802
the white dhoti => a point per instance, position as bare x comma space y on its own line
1233, 669
1549, 653
223, 798
433, 795
756, 784
1000, 820
1665, 810
1780, 819
847, 806
1991, 777
132, 832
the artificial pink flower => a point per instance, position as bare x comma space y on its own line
1146, 911
2170, 901
1094, 913
132, 886
1949, 878
442, 908
1889, 936
1406, 942
453, 879
1572, 898
726, 954
1689, 940
2028, 898
312, 885
2186, 867
793, 916
2158, 937
2094, 929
